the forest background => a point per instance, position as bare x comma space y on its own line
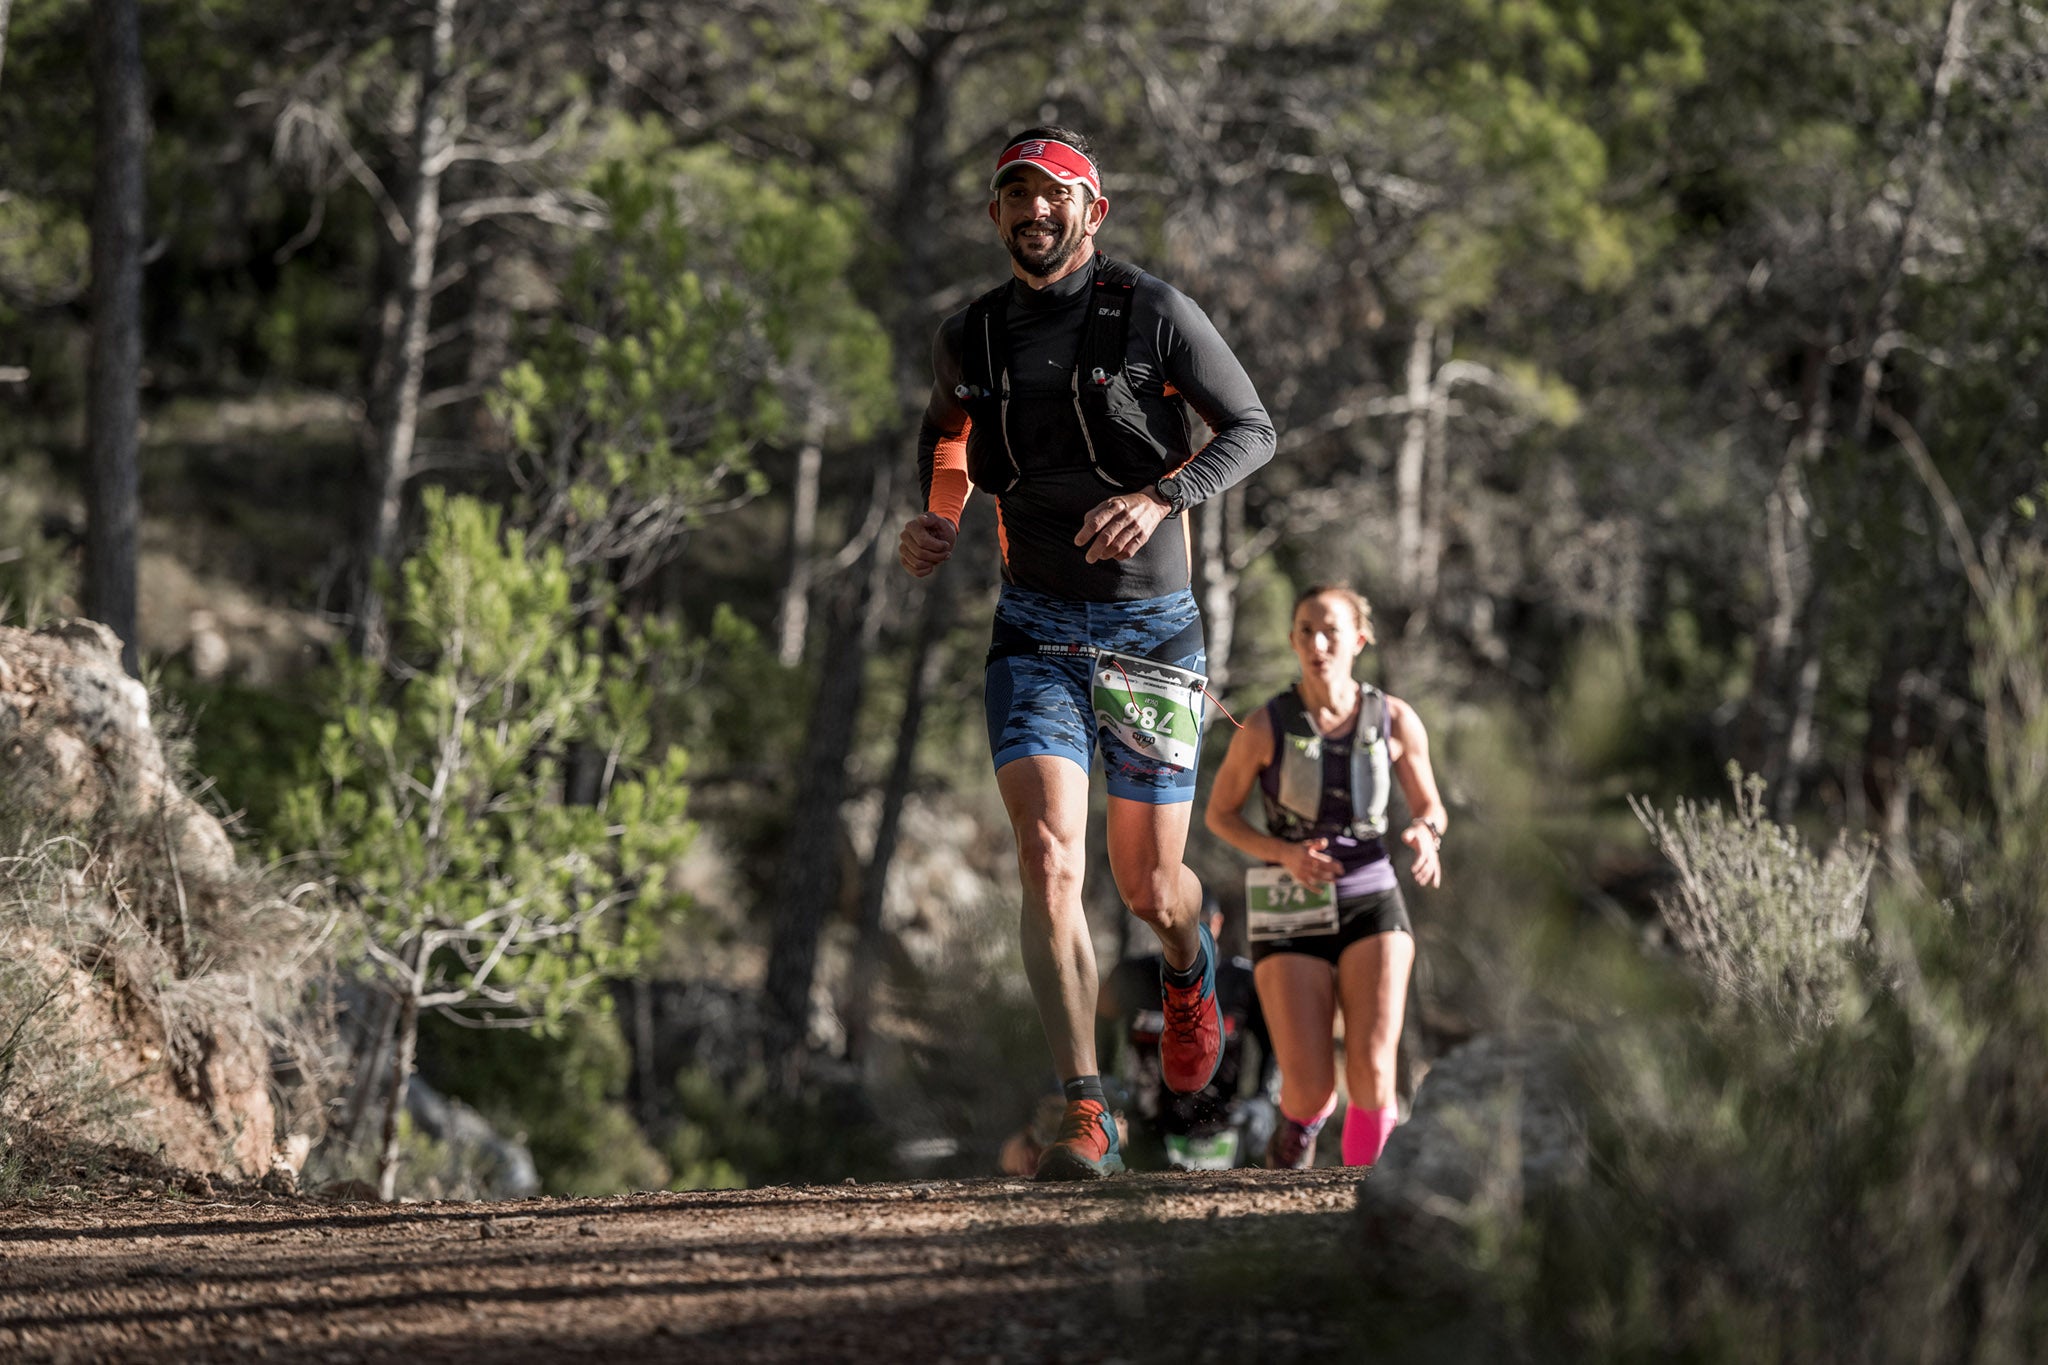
526, 397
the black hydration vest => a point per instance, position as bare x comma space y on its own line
1295, 813
1121, 448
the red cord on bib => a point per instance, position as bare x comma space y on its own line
1221, 707
1131, 692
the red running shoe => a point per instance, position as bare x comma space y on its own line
1192, 1045
1087, 1147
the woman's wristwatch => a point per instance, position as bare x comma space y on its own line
1434, 833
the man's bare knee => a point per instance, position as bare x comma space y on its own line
1155, 899
1046, 860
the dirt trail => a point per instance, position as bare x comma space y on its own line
1184, 1266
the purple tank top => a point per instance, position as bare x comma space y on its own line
1367, 869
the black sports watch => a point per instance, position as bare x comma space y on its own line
1175, 493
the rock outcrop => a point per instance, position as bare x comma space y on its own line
119, 903
1496, 1124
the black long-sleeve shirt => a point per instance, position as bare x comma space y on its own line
1173, 356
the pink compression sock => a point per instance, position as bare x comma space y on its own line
1365, 1133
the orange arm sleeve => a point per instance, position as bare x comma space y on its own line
950, 485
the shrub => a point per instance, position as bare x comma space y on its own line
1847, 1160
1769, 926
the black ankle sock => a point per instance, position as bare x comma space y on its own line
1085, 1088
1183, 976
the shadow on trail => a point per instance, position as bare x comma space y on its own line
1134, 1189
1125, 1284
328, 1306
971, 1251
1135, 1308
1041, 1250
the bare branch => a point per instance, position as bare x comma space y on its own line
305, 235
514, 156
455, 393
298, 113
1952, 519
549, 207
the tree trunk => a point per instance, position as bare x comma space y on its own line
1216, 584
809, 887
1788, 568
405, 1048
1887, 780
1436, 474
114, 386
370, 1045
914, 214
644, 1073
928, 656
5, 6
1782, 646
1409, 463
1955, 44
398, 408
1800, 745
794, 619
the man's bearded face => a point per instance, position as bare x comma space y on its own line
1042, 222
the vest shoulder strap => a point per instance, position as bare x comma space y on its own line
1107, 331
1289, 712
1377, 700
985, 343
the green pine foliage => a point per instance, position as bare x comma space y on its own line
711, 317
735, 1130
439, 803
37, 580
562, 1095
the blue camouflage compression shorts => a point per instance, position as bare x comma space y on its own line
1039, 705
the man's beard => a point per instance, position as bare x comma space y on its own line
1054, 257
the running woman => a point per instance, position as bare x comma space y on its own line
1069, 394
1329, 930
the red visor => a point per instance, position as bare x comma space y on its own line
1056, 159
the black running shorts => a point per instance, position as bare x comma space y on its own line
1358, 917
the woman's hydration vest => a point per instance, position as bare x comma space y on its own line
1295, 813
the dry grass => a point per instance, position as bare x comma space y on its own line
118, 971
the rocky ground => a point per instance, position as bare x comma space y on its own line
1194, 1267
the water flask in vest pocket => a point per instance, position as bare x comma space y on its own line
1153, 707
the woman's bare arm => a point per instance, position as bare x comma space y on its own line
1425, 832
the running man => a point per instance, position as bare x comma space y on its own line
1329, 930
1066, 393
